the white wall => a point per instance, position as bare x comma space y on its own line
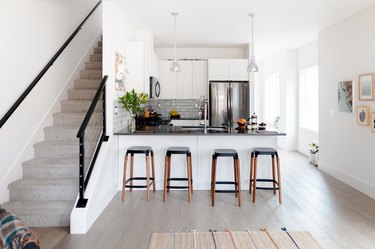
203, 53
284, 63
31, 35
346, 149
307, 57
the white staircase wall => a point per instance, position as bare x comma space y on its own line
25, 51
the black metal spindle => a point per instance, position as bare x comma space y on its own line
81, 201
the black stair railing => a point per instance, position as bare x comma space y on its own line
44, 70
91, 134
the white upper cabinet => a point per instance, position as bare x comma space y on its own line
185, 80
238, 69
228, 69
168, 81
218, 69
190, 83
134, 63
200, 80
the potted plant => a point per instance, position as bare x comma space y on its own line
133, 102
314, 153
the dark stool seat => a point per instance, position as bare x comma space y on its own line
237, 179
167, 171
264, 151
128, 183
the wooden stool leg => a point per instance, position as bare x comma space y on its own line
255, 178
165, 177
153, 172
273, 174
213, 181
212, 175
124, 178
279, 178
131, 171
238, 182
169, 172
235, 176
251, 172
148, 176
189, 176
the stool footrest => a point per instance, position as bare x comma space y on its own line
266, 180
226, 191
138, 179
226, 182
177, 179
177, 187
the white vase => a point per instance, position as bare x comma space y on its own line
312, 158
316, 159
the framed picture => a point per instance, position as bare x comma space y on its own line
345, 96
119, 72
363, 115
366, 86
373, 122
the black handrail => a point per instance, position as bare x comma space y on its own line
83, 181
44, 70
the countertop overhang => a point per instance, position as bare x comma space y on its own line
195, 131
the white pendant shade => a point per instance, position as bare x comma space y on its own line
253, 67
175, 67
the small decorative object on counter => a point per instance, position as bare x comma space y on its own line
174, 114
241, 124
253, 122
146, 112
262, 126
314, 153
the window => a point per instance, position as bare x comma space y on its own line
308, 98
272, 98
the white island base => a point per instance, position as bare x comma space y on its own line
201, 148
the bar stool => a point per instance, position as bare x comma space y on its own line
146, 150
253, 171
167, 171
236, 169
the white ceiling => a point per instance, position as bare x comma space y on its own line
278, 24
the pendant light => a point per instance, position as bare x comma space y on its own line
253, 67
175, 67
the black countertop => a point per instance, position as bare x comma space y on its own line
195, 130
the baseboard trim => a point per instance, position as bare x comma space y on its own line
354, 182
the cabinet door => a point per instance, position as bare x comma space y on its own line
185, 80
218, 69
168, 81
238, 69
134, 63
200, 80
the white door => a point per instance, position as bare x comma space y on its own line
238, 69
200, 80
168, 81
185, 80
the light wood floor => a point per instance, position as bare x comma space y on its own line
336, 215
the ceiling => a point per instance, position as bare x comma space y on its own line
278, 24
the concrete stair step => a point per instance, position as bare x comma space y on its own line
97, 65
96, 57
61, 149
51, 168
42, 213
91, 74
76, 105
81, 94
43, 189
61, 119
87, 84
98, 50
66, 133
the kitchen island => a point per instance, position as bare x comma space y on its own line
201, 145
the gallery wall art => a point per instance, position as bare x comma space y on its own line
372, 122
363, 115
366, 86
345, 96
119, 72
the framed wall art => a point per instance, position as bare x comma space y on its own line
366, 86
363, 115
372, 119
345, 96
119, 72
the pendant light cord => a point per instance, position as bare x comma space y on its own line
252, 34
175, 36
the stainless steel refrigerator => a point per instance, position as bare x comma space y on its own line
228, 102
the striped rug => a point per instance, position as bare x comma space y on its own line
234, 240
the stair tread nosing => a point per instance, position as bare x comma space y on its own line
35, 183
39, 207
51, 162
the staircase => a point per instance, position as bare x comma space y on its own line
46, 194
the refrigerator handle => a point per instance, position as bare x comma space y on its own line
230, 106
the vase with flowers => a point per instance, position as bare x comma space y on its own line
314, 153
133, 102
